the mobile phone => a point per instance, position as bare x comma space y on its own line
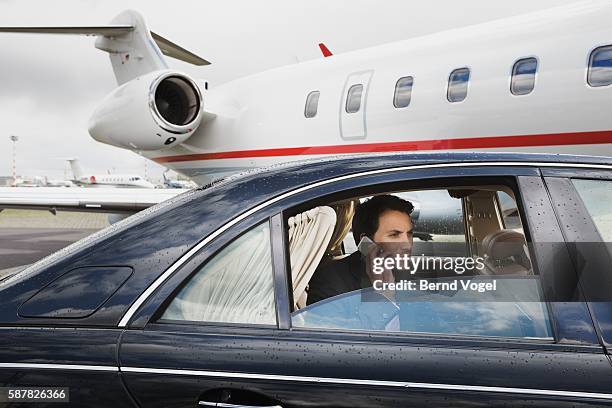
365, 246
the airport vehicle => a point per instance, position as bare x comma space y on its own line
198, 300
530, 83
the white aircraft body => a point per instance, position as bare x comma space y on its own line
537, 82
107, 180
261, 119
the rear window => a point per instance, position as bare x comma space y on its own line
597, 197
460, 264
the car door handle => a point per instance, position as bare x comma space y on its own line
226, 405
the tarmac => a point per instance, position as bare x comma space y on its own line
28, 235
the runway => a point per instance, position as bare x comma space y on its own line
27, 236
23, 246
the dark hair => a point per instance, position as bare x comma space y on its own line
367, 214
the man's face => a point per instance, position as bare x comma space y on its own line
395, 234
394, 226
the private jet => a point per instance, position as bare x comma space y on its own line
539, 82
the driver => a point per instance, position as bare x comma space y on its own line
382, 219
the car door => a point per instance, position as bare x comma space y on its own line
178, 352
456, 370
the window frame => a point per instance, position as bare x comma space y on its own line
396, 88
535, 75
589, 63
372, 188
306, 104
448, 84
582, 228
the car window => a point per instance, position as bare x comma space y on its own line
459, 315
77, 293
235, 286
597, 197
509, 211
466, 265
438, 219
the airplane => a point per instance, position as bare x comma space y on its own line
172, 183
57, 183
41, 181
539, 82
106, 180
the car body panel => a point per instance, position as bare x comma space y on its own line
168, 364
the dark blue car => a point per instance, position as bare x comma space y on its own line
204, 300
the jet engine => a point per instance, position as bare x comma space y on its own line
151, 112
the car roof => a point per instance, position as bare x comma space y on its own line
348, 164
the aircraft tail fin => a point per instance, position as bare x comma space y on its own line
77, 172
134, 50
326, 52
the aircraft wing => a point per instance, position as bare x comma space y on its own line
105, 200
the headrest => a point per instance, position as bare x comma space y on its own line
505, 243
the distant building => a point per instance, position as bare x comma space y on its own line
6, 181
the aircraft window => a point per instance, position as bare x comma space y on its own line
458, 85
597, 196
235, 286
600, 67
353, 98
336, 289
523, 76
312, 103
403, 92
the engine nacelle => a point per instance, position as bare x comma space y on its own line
152, 112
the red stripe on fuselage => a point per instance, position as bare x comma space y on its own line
492, 142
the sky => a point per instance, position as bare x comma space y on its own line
50, 84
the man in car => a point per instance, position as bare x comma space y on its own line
385, 220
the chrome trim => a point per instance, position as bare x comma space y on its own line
320, 380
60, 366
226, 405
157, 282
159, 119
375, 383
